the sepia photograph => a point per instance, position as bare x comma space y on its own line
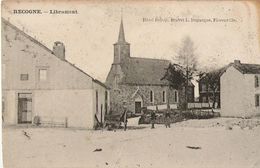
130, 84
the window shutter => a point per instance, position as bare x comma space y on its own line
24, 77
151, 96
257, 100
256, 81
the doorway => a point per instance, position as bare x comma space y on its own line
138, 106
24, 108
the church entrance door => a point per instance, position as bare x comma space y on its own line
138, 106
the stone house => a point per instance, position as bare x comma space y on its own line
37, 81
137, 82
240, 90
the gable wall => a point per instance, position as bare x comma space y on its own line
57, 97
233, 91
22, 56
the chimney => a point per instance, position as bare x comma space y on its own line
237, 62
59, 50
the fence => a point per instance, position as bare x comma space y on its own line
201, 105
178, 115
195, 105
162, 107
51, 121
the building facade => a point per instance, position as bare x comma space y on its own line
137, 82
240, 90
209, 87
37, 81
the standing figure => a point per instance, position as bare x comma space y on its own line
125, 120
153, 117
167, 119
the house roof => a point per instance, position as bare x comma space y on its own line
100, 83
247, 68
48, 50
217, 72
145, 71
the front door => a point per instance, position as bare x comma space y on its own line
138, 106
24, 108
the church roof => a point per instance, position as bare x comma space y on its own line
121, 36
145, 71
142, 71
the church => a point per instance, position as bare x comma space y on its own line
137, 82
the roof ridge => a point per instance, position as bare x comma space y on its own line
46, 48
247, 68
249, 64
157, 59
27, 35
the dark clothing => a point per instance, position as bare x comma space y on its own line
125, 124
153, 117
167, 119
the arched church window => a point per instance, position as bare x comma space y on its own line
151, 96
164, 96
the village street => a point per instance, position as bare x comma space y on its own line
193, 143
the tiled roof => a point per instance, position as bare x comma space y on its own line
145, 71
248, 68
217, 72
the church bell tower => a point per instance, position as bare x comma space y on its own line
121, 47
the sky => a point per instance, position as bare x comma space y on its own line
89, 35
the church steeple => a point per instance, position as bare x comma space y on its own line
121, 47
121, 36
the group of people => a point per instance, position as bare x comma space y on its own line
167, 119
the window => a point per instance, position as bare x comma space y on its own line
24, 77
203, 87
175, 96
256, 81
116, 82
42, 74
151, 96
106, 100
204, 99
96, 101
164, 96
257, 100
3, 105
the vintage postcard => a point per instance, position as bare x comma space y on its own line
130, 84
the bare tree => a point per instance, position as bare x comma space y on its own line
175, 74
211, 78
182, 73
187, 59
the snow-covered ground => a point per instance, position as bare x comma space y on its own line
210, 145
